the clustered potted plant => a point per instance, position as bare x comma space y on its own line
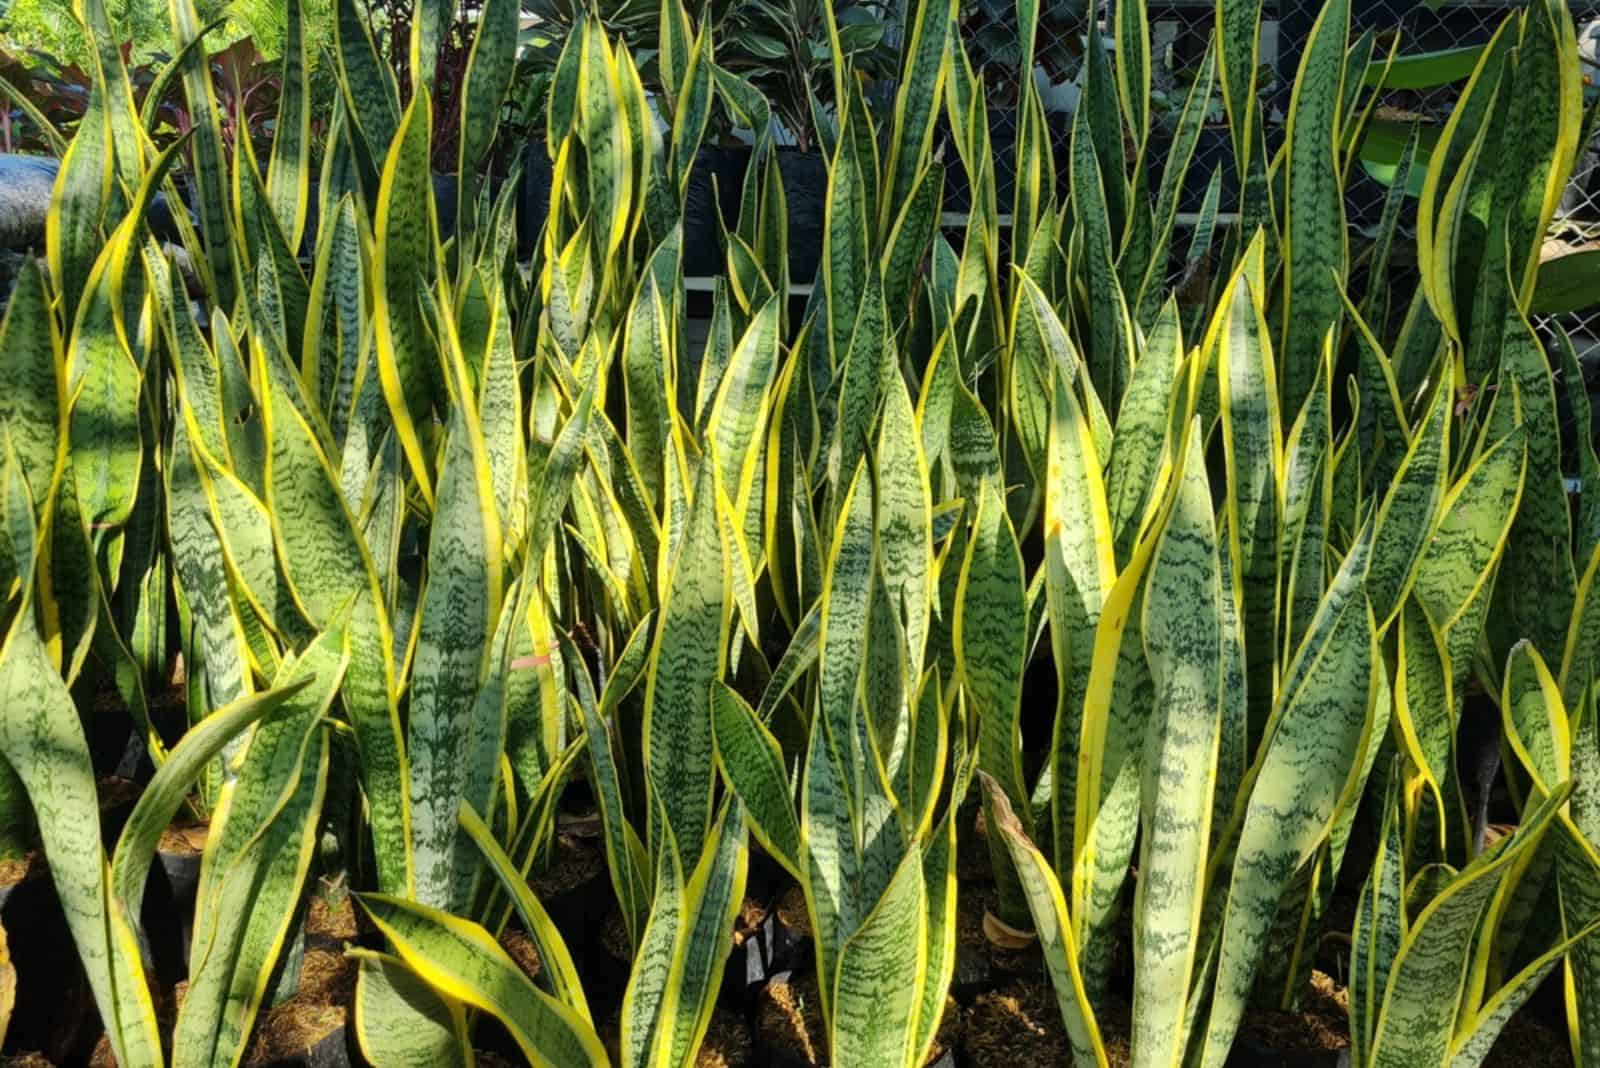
1014, 654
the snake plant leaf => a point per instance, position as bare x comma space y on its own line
1537, 587
19, 549
875, 995
164, 795
1380, 925
459, 610
37, 717
1459, 563
734, 426
1252, 439
990, 637
846, 608
557, 973
685, 660
403, 260
1182, 631
1079, 572
1422, 994
692, 99
487, 79
220, 260
34, 405
1307, 501
624, 853
1140, 440
1536, 725
925, 66
1110, 358
1425, 711
646, 363
79, 202
831, 864
289, 170
1315, 738
401, 1021
499, 404
939, 926
1053, 926
1315, 251
1583, 634
328, 565
714, 894
256, 861
459, 960
215, 634
104, 382
670, 995
1476, 1036
904, 522
753, 763
1408, 513
1179, 157
1586, 519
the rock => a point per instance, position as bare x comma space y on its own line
25, 186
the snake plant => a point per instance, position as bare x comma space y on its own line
1205, 580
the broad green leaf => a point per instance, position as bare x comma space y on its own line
452, 740
1310, 758
1183, 638
1315, 253
753, 763
686, 658
403, 262
875, 1002
460, 961
400, 1020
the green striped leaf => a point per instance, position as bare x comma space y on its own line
404, 261
1459, 563
1536, 590
256, 858
1409, 510
78, 204
1311, 757
1379, 927
1053, 926
37, 717
1422, 997
167, 789
991, 642
875, 1002
328, 566
685, 660
401, 1021
453, 742
557, 973
490, 67
1252, 440
460, 961
753, 763
289, 170
1315, 252
34, 405
219, 266
1182, 630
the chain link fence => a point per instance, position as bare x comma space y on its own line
1181, 30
